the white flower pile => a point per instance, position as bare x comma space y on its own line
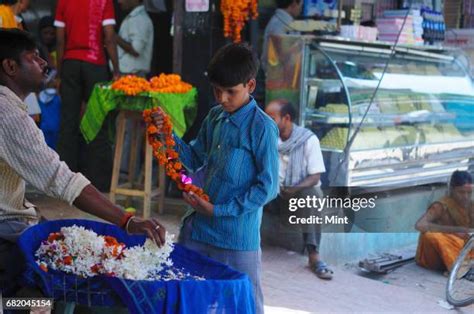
84, 253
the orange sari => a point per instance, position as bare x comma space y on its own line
438, 251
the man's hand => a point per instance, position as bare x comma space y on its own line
115, 75
288, 192
200, 205
159, 118
151, 227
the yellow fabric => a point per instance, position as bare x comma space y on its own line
7, 17
272, 54
438, 251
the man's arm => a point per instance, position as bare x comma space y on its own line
139, 34
23, 148
111, 47
126, 46
309, 181
93, 202
428, 222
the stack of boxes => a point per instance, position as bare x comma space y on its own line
359, 32
393, 23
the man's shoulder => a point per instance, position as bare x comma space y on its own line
313, 138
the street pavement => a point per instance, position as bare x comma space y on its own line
290, 287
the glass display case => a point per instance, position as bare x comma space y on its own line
384, 115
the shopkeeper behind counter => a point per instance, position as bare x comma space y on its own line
285, 14
25, 156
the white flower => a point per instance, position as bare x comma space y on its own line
84, 253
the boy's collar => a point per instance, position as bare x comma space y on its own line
238, 116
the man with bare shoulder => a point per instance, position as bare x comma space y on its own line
446, 224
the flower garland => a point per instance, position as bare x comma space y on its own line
133, 85
170, 83
236, 13
163, 150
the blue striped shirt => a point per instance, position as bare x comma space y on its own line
240, 155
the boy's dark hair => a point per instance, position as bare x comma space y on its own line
232, 65
13, 42
283, 4
460, 178
287, 108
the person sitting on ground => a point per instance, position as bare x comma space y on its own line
301, 165
445, 225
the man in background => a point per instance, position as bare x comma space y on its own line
280, 23
83, 29
301, 165
135, 39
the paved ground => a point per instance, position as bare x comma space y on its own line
289, 286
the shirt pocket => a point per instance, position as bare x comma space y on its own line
239, 167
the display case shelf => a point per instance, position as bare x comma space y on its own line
414, 117
420, 122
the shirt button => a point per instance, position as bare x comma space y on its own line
219, 146
226, 120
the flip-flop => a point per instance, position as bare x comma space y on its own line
322, 270
470, 275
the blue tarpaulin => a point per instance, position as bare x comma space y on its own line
224, 290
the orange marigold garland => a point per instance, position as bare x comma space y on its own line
163, 143
169, 83
236, 13
131, 85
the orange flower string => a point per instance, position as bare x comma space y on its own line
236, 13
131, 85
163, 150
170, 83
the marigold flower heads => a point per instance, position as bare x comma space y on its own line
133, 85
236, 13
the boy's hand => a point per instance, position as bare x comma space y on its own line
200, 205
159, 118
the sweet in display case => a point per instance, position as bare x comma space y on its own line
391, 116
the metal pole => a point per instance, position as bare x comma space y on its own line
178, 17
339, 15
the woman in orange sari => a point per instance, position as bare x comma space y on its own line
445, 225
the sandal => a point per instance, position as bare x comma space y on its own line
469, 275
322, 270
